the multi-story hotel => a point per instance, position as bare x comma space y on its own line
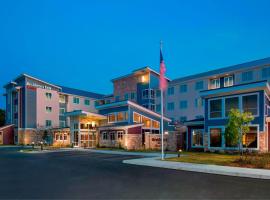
198, 104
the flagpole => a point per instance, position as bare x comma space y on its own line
162, 116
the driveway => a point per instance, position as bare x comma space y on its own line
89, 175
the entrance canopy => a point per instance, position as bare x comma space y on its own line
80, 113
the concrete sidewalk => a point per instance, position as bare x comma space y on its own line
211, 169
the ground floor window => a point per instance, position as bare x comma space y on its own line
197, 137
215, 137
120, 135
104, 135
112, 135
250, 139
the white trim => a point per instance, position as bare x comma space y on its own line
118, 127
151, 128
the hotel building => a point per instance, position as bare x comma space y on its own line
196, 108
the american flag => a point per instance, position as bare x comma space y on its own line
163, 81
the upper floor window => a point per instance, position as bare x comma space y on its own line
216, 108
87, 102
148, 93
62, 111
118, 117
48, 109
62, 99
266, 72
183, 104
170, 106
48, 95
76, 100
171, 91
132, 95
228, 81
62, 123
76, 126
126, 96
215, 83
183, 88
247, 76
250, 104
199, 85
231, 103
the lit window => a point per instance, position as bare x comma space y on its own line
136, 118
197, 138
228, 81
250, 139
215, 83
48, 95
215, 137
155, 124
112, 117
121, 116
62, 99
146, 121
216, 108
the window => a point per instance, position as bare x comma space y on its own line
136, 117
146, 121
170, 106
183, 104
48, 109
145, 94
62, 123
126, 96
87, 102
158, 93
65, 136
112, 135
199, 85
228, 81
197, 137
155, 124
121, 116
57, 137
62, 99
104, 135
152, 94
247, 76
112, 117
76, 126
48, 95
62, 111
250, 139
250, 104
120, 135
183, 88
170, 91
152, 107
215, 137
48, 123
266, 72
231, 103
215, 83
158, 108
216, 108
183, 119
76, 100
132, 95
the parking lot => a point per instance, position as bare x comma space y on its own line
81, 174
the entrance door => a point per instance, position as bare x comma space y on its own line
1, 137
88, 140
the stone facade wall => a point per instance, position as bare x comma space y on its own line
263, 141
7, 135
61, 143
27, 136
134, 141
153, 141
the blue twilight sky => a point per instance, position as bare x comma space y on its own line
86, 43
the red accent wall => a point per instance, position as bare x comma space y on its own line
135, 130
8, 134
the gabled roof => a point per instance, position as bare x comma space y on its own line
246, 65
83, 93
139, 70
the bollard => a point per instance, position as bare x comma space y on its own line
179, 153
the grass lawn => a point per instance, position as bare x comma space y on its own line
249, 161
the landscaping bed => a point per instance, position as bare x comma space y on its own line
261, 161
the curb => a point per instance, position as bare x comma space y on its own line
210, 169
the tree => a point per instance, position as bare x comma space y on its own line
2, 117
237, 127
